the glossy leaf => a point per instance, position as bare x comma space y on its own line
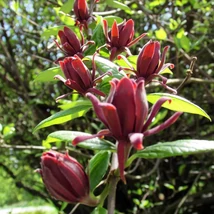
68, 136
117, 4
74, 103
175, 148
178, 104
48, 75
105, 65
63, 116
98, 166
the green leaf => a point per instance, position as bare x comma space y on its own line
131, 59
105, 65
178, 104
99, 210
169, 186
98, 37
98, 166
182, 41
175, 148
76, 103
117, 4
66, 19
161, 34
63, 116
67, 6
173, 24
68, 136
110, 19
48, 75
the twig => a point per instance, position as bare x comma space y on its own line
74, 208
188, 73
185, 197
140, 177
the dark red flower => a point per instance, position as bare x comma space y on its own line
125, 114
119, 39
150, 63
82, 13
70, 44
65, 178
78, 76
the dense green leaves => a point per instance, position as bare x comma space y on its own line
178, 104
98, 166
68, 136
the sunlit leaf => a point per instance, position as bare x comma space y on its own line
67, 6
161, 34
63, 116
48, 75
117, 4
178, 104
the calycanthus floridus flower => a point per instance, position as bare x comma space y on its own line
70, 44
78, 77
65, 178
150, 64
120, 37
81, 12
125, 115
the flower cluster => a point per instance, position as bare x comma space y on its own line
124, 112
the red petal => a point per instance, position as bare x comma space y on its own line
72, 39
114, 34
126, 33
141, 106
164, 125
112, 119
82, 71
124, 101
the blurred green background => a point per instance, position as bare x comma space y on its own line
175, 185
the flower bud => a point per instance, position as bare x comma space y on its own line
65, 178
120, 37
81, 12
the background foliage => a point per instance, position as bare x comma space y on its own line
171, 185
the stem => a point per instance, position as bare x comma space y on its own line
113, 180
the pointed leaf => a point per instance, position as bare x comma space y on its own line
175, 148
117, 4
178, 104
63, 116
98, 166
48, 75
68, 136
